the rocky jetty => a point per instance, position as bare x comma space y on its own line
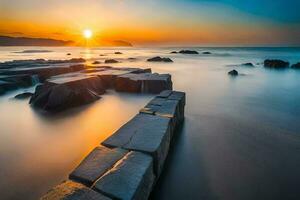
128, 164
233, 73
159, 59
188, 52
296, 66
276, 64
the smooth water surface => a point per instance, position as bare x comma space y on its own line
240, 139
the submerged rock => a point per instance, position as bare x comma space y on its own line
188, 52
24, 95
296, 66
206, 52
111, 61
233, 73
159, 59
276, 64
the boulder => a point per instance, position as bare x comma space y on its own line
206, 53
174, 52
131, 179
24, 95
96, 62
143, 83
70, 190
60, 95
233, 73
99, 161
111, 61
68, 54
159, 59
118, 53
188, 52
247, 64
145, 133
296, 66
276, 64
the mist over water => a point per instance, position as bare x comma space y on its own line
240, 138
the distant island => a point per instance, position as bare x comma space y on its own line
27, 41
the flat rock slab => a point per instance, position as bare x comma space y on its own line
167, 104
100, 160
143, 83
70, 190
145, 133
131, 179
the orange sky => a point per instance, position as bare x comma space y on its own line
147, 23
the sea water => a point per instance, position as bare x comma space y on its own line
240, 138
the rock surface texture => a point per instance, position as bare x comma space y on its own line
130, 161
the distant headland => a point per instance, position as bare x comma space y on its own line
28, 41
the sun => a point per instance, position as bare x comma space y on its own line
87, 33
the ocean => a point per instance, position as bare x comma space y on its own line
240, 138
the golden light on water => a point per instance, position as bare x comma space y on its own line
87, 33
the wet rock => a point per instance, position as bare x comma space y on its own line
118, 53
99, 161
276, 64
143, 83
206, 53
159, 59
248, 65
7, 86
24, 95
188, 52
70, 190
130, 179
96, 62
174, 52
111, 61
296, 66
68, 54
57, 96
145, 133
233, 73
21, 80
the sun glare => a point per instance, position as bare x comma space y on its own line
87, 33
